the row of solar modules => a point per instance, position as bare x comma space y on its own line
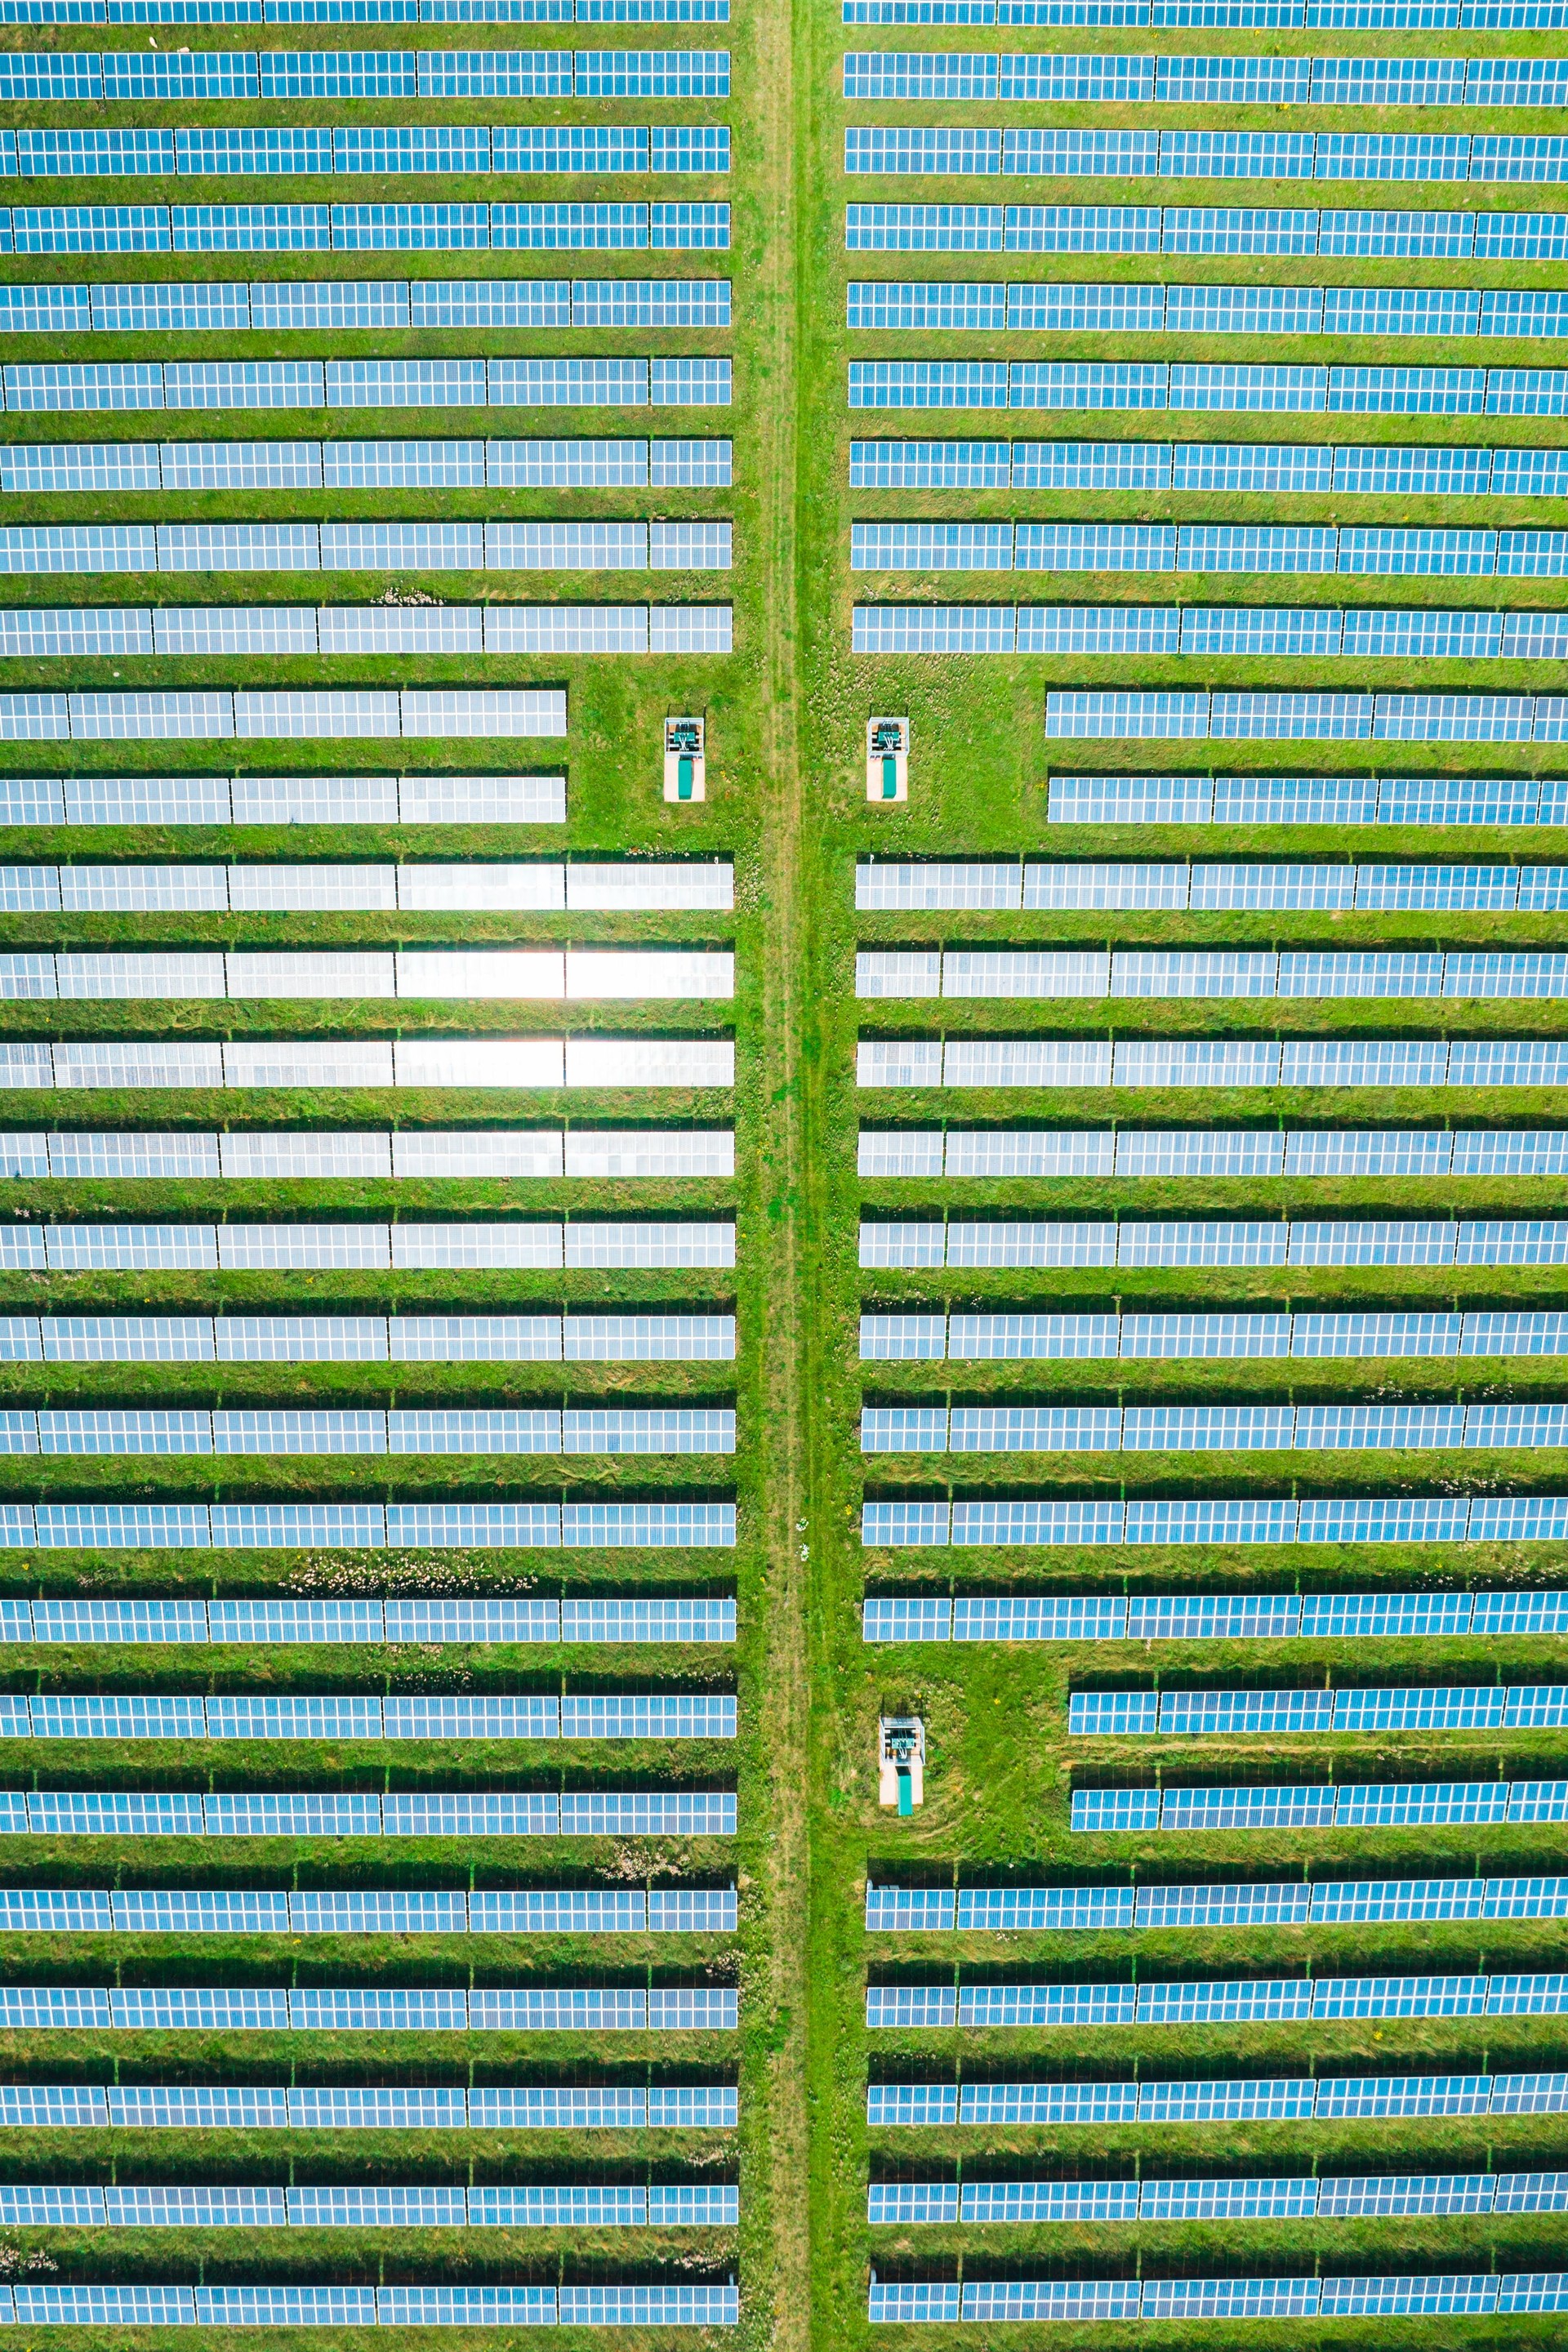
1378, 1805
370, 384
1127, 229
1014, 1243
992, 1152
393, 12
1182, 1617
961, 1062
1221, 1714
1178, 154
367, 1338
35, 469
927, 2303
1357, 2197
137, 1155
1293, 391
346, 547
212, 154
116, 633
469, 1813
370, 228
1288, 632
966, 972
1296, 2098
668, 1910
1214, 2001
1292, 1903
656, 1714
508, 1619
1274, 468
533, 1062
1268, 1519
312, 800
928, 77
329, 2008
925, 1429
579, 886
324, 305
675, 2205
948, 306
678, 2205
1000, 547
573, 1244
339, 2307
341, 800
134, 76
615, 1429
266, 2107
1341, 14
538, 974
1304, 800
218, 715
1279, 717
1003, 886
990, 1339
361, 1527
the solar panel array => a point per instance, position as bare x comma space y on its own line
513, 1153
368, 1338
1036, 76
265, 153
344, 547
1193, 547
336, 305
536, 2009
360, 1431
368, 228
1059, 306
1176, 1429
470, 1243
686, 2305
929, 2303
896, 886
663, 1910
275, 886
40, 387
125, 76
217, 715
1037, 973
436, 1813
649, 1715
29, 468
361, 1527
1226, 2001
1272, 1520
1207, 1617
1375, 469
523, 1063
58, 633
1080, 1910
1304, 800
1160, 1062
1210, 2100
675, 2205
930, 1152
1283, 387
1009, 1242
541, 975
1383, 1805
1291, 2198
981, 1338
1143, 228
